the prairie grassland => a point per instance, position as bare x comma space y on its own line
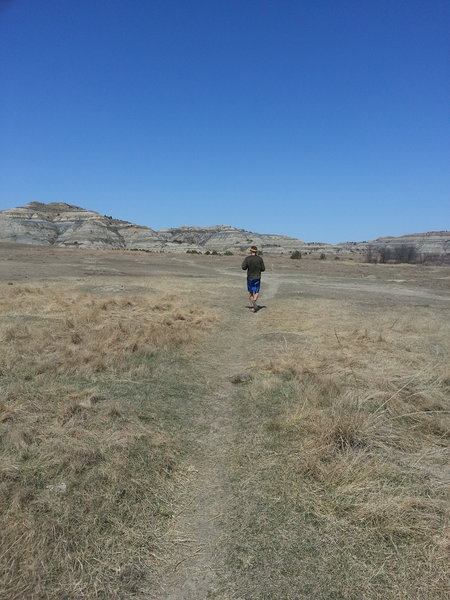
341, 463
150, 449
88, 457
52, 330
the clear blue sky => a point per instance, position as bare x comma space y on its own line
326, 120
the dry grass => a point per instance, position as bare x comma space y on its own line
48, 329
88, 463
343, 466
339, 461
72, 521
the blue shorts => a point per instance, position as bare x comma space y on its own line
253, 285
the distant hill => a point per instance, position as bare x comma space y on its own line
64, 225
60, 224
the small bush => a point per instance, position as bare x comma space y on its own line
296, 254
397, 254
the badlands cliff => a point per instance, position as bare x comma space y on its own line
60, 224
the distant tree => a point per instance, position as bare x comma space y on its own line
370, 254
323, 256
228, 253
405, 253
215, 252
383, 255
207, 252
296, 254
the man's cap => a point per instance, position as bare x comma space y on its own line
253, 249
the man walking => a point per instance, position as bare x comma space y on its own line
254, 265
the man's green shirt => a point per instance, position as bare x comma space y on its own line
254, 265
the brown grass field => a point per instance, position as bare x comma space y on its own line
159, 441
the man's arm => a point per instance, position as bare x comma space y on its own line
245, 264
263, 267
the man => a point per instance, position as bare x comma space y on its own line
254, 265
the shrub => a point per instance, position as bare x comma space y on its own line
400, 253
296, 254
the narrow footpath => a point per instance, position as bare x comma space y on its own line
195, 538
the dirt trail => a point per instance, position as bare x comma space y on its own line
195, 538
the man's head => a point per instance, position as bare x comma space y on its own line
253, 249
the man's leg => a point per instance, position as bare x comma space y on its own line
253, 291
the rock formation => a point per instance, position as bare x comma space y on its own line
60, 224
